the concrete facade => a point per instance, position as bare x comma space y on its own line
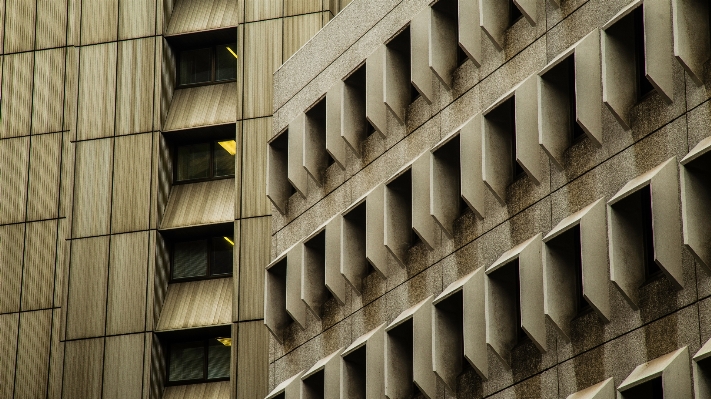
535, 202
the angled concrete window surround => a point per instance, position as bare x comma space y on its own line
323, 380
510, 142
498, 15
571, 98
470, 34
335, 281
637, 56
420, 73
288, 389
279, 188
408, 353
514, 299
354, 125
313, 272
459, 329
601, 390
443, 43
471, 155
316, 158
696, 201
363, 367
335, 143
423, 223
398, 214
375, 250
667, 377
282, 292
296, 172
398, 85
375, 109
701, 364
446, 191
692, 39
354, 264
575, 267
644, 230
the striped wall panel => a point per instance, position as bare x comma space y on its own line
48, 97
8, 350
252, 359
123, 373
13, 179
213, 390
97, 91
254, 256
16, 95
11, 245
137, 18
99, 19
197, 304
202, 106
92, 185
260, 64
297, 7
33, 354
51, 24
39, 270
254, 184
132, 183
298, 30
43, 187
83, 361
134, 92
126, 303
19, 25
200, 203
200, 15
86, 300
260, 10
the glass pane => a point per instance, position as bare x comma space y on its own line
194, 161
226, 62
222, 255
225, 158
187, 361
218, 360
195, 66
190, 259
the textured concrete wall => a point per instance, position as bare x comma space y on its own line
669, 313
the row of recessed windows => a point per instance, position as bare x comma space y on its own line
199, 360
214, 64
206, 160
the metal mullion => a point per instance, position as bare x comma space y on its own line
204, 371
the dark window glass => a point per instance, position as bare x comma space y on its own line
186, 361
221, 255
195, 66
226, 62
194, 161
225, 158
218, 360
190, 259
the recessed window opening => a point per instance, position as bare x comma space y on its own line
205, 160
401, 188
652, 389
279, 148
401, 347
505, 116
355, 96
313, 387
317, 115
462, 57
354, 224
452, 310
401, 44
202, 258
514, 13
644, 87
354, 372
205, 65
199, 360
507, 279
651, 269
577, 132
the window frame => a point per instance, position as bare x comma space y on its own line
213, 66
211, 169
210, 253
206, 352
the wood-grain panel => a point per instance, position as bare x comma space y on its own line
262, 56
255, 253
261, 10
99, 19
97, 91
298, 30
86, 300
43, 186
17, 95
13, 179
196, 304
202, 106
92, 187
123, 375
126, 305
255, 134
83, 361
40, 256
252, 360
56, 359
137, 18
212, 390
297, 7
8, 351
132, 183
19, 25
33, 354
134, 93
48, 97
71, 81
11, 245
200, 15
200, 203
51, 24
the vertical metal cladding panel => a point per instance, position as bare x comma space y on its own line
268, 9
19, 25
298, 30
588, 86
132, 183
443, 46
335, 281
422, 221
134, 93
470, 34
298, 177
136, 18
99, 21
692, 43
40, 260
695, 200
260, 64
83, 360
254, 257
123, 376
43, 186
97, 90
335, 144
92, 188
86, 300
294, 305
420, 72
51, 24
33, 354
254, 164
56, 358
236, 254
71, 83
17, 95
375, 109
8, 352
470, 155
13, 180
11, 246
2, 36
528, 152
375, 250
397, 82
126, 304
259, 174
296, 7
252, 360
659, 47
48, 96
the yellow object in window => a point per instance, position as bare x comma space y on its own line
229, 146
225, 341
228, 240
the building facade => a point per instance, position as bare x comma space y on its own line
133, 223
500, 199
